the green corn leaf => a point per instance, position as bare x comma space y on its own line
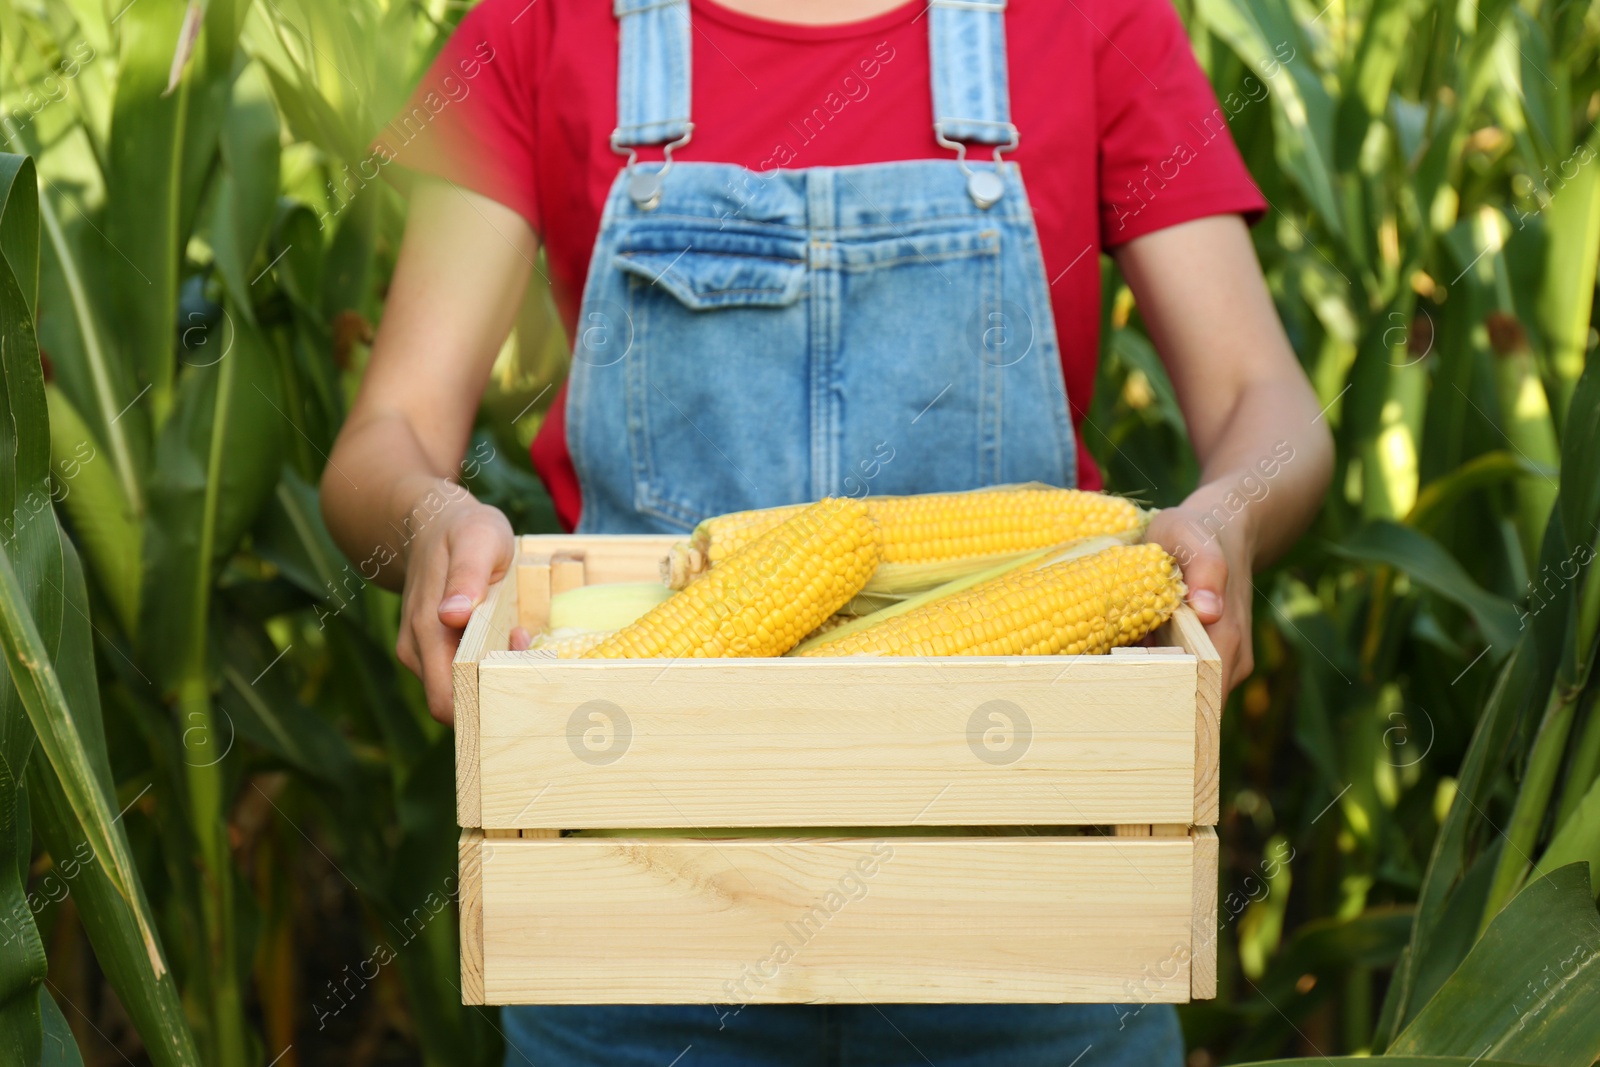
112, 921
39, 688
1428, 564
1580, 457
1572, 226
292, 535
28, 527
1383, 45
1452, 933
107, 377
1264, 34
248, 192
44, 620
1449, 862
1583, 762
262, 705
143, 181
1439, 497
347, 273
101, 518
216, 465
1577, 840
297, 239
1527, 991
206, 81
59, 1047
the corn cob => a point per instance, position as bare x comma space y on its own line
1086, 605
832, 622
762, 600
920, 532
900, 606
570, 644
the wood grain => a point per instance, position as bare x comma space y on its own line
897, 920
1185, 630
533, 591
836, 742
566, 571
488, 628
609, 558
1203, 965
470, 900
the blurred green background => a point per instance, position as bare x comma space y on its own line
226, 819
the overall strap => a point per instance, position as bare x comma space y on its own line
652, 73
971, 97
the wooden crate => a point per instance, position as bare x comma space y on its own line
1120, 749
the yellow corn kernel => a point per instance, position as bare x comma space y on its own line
762, 600
571, 645
1087, 605
932, 528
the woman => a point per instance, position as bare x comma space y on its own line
791, 270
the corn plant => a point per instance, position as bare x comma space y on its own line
207, 259
1432, 244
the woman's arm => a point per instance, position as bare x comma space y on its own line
391, 492
1265, 452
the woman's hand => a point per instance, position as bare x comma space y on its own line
1215, 551
390, 493
449, 566
1265, 452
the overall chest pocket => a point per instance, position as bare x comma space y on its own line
717, 389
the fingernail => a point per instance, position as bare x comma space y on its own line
1204, 600
454, 604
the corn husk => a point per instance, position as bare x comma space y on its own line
609, 606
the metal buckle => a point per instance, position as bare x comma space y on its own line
644, 186
986, 187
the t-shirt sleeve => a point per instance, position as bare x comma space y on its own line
471, 118
1166, 155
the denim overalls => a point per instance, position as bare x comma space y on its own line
749, 339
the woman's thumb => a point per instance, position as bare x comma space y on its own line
479, 553
1205, 569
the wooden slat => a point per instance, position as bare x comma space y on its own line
1019, 919
609, 558
841, 742
1185, 629
1203, 965
470, 898
1169, 829
566, 571
533, 591
488, 629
